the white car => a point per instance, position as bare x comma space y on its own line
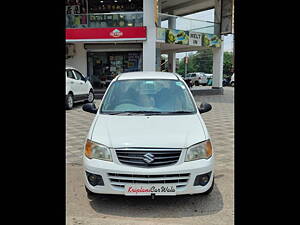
148, 138
232, 80
196, 78
78, 88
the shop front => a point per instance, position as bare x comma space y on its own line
106, 13
105, 65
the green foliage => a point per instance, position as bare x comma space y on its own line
227, 64
202, 61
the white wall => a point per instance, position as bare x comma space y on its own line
79, 61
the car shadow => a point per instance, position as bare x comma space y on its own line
160, 206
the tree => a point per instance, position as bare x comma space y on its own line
227, 64
202, 61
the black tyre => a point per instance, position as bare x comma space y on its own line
197, 83
90, 194
69, 101
91, 96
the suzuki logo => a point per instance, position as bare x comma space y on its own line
148, 158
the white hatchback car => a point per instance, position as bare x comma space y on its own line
148, 138
78, 88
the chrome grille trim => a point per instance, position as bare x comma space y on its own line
120, 180
135, 156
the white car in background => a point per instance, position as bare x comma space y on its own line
196, 78
148, 138
78, 88
232, 80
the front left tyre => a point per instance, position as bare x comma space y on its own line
69, 101
91, 97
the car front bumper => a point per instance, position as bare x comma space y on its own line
105, 169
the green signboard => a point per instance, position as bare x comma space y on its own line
172, 36
211, 40
177, 37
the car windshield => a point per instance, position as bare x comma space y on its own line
148, 96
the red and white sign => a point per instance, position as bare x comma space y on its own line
106, 34
116, 33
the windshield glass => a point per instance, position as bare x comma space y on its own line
152, 96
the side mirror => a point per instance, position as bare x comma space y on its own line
90, 107
204, 107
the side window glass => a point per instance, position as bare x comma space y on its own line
70, 74
79, 76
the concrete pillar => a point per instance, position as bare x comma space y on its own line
149, 46
172, 62
172, 55
158, 52
217, 17
217, 82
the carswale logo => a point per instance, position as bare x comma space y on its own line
116, 33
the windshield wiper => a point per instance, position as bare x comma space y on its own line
135, 112
179, 112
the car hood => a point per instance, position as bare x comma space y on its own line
176, 131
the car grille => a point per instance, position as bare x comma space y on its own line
158, 157
119, 180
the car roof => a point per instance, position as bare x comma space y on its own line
147, 75
70, 67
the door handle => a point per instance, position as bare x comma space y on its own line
72, 82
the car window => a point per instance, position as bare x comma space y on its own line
193, 75
79, 75
160, 96
70, 74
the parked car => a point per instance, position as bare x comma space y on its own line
148, 138
226, 82
196, 79
78, 88
232, 80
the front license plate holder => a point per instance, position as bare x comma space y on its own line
149, 189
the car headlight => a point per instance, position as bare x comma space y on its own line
97, 151
201, 150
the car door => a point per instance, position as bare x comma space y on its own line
72, 83
193, 77
83, 85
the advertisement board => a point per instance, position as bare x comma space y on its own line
177, 37
106, 34
211, 40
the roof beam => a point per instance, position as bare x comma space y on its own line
200, 6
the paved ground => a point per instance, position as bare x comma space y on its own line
215, 209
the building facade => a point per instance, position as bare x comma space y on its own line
105, 38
